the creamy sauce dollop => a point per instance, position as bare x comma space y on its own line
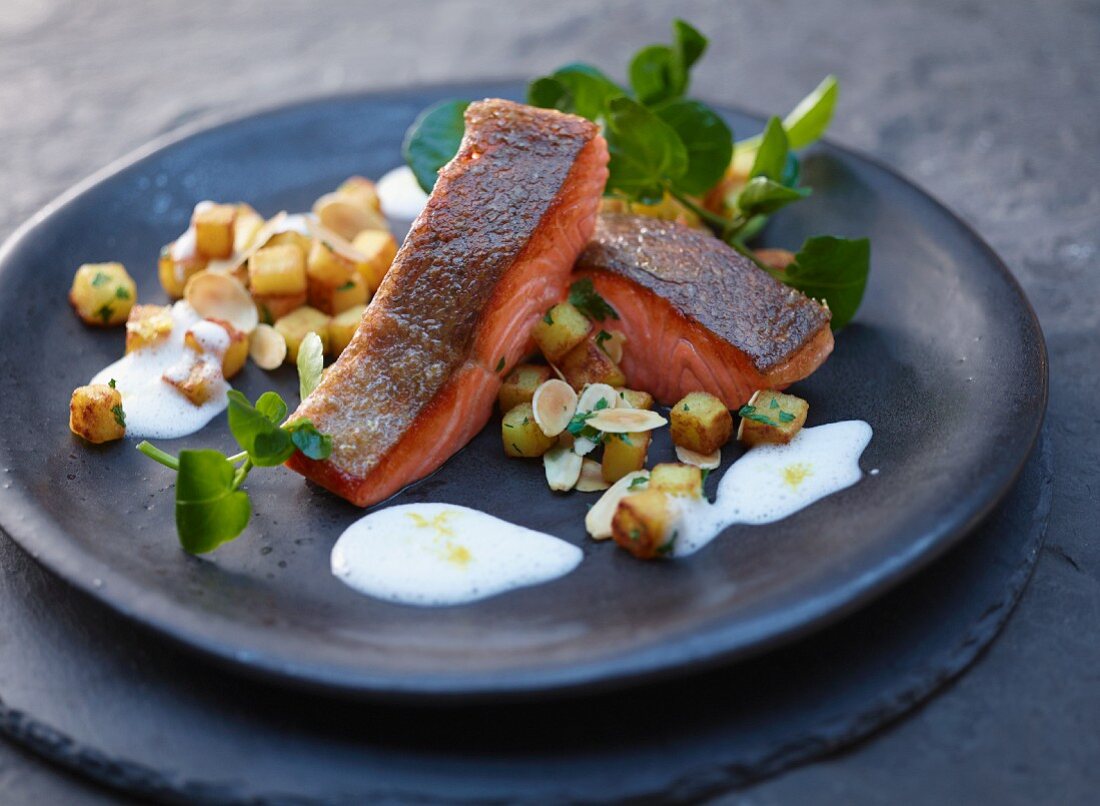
442, 554
154, 408
401, 196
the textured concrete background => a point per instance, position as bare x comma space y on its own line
991, 106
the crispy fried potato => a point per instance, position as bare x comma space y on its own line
677, 479
520, 385
327, 266
624, 453
334, 299
277, 271
701, 422
147, 325
174, 274
95, 413
236, 353
771, 417
634, 399
644, 524
521, 434
272, 307
560, 330
214, 230
297, 324
102, 294
586, 363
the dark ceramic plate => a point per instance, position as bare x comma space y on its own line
946, 361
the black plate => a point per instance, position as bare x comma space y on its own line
946, 361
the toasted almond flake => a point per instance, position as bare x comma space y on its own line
591, 480
221, 296
702, 460
625, 421
335, 241
582, 446
554, 404
347, 219
268, 347
563, 468
598, 519
595, 392
614, 346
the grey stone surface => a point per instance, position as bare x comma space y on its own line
991, 106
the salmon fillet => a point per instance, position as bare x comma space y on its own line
490, 252
697, 315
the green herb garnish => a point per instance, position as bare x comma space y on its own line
105, 313
100, 279
751, 413
637, 482
311, 363
548, 319
112, 383
348, 286
500, 364
786, 417
121, 293
601, 337
832, 270
120, 415
583, 297
433, 140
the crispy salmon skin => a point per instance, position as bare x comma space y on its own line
697, 315
490, 252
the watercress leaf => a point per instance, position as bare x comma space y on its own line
549, 93
653, 75
762, 196
771, 156
209, 510
271, 406
707, 139
833, 270
792, 170
433, 140
689, 45
309, 440
583, 297
267, 445
809, 120
578, 88
646, 154
311, 362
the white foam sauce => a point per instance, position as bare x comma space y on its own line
441, 554
772, 482
401, 196
154, 408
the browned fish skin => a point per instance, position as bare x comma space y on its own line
709, 282
419, 377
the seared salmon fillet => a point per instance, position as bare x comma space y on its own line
490, 252
697, 315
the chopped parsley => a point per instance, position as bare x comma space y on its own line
105, 313
348, 286
750, 413
637, 482
549, 319
121, 293
112, 383
515, 447
100, 279
120, 415
669, 545
687, 407
625, 438
601, 337
500, 364
634, 533
583, 297
785, 417
601, 404
774, 404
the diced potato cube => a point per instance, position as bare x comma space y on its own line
334, 299
644, 524
102, 294
174, 274
771, 416
248, 223
560, 330
275, 306
297, 324
95, 413
379, 248
587, 363
677, 479
363, 191
291, 238
194, 378
520, 385
236, 353
521, 434
328, 266
343, 327
700, 422
624, 453
277, 270
635, 399
213, 225
147, 325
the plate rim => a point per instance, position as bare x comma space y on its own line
50, 547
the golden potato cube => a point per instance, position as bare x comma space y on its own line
379, 248
248, 223
771, 416
213, 225
236, 353
363, 191
95, 413
292, 238
644, 524
328, 266
521, 434
677, 479
624, 453
343, 327
275, 306
635, 399
277, 270
147, 325
102, 294
700, 422
334, 299
520, 385
174, 274
562, 328
587, 363
295, 325
194, 378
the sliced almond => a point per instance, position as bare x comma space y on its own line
598, 519
592, 395
582, 446
591, 480
222, 296
625, 421
347, 219
554, 404
335, 241
268, 347
563, 468
701, 460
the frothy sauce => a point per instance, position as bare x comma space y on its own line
401, 196
154, 408
441, 554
